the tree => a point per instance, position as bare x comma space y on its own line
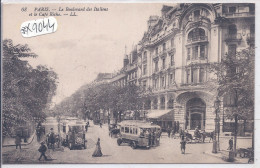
27, 91
235, 78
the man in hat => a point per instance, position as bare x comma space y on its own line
42, 150
52, 139
230, 142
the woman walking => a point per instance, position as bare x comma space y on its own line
97, 152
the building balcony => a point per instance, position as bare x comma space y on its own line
156, 56
171, 50
163, 54
240, 14
197, 39
233, 37
250, 38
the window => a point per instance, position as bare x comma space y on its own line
144, 69
172, 60
122, 129
170, 104
156, 51
188, 76
144, 85
162, 84
155, 83
232, 31
196, 15
195, 52
156, 66
202, 52
232, 9
172, 42
155, 103
163, 64
126, 129
188, 53
196, 34
164, 46
202, 75
194, 75
145, 55
162, 103
232, 50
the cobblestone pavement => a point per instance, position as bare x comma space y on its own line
167, 152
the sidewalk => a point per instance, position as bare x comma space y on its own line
8, 141
224, 154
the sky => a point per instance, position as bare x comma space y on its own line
85, 45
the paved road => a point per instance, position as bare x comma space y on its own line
167, 152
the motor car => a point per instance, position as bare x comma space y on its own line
139, 134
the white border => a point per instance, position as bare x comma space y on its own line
257, 89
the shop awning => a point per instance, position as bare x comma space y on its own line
161, 114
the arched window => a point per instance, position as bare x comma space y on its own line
145, 55
196, 34
162, 103
170, 103
155, 104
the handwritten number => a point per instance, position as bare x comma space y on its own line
24, 9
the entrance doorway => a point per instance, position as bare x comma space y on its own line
195, 114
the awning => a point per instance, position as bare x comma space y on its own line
161, 114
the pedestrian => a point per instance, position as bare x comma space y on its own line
100, 124
42, 150
172, 133
183, 144
52, 139
97, 152
149, 138
38, 133
169, 131
230, 142
153, 138
18, 141
86, 127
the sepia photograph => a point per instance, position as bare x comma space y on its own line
128, 83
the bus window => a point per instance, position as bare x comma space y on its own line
131, 130
136, 132
126, 129
122, 129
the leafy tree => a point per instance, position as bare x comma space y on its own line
27, 91
235, 78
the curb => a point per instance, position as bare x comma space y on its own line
25, 144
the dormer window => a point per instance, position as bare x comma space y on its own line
196, 15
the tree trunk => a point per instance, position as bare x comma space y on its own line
235, 135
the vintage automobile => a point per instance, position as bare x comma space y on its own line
113, 130
73, 134
139, 133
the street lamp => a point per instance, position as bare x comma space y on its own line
216, 142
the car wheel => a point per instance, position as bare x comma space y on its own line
133, 145
119, 141
70, 146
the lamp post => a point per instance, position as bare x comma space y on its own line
215, 141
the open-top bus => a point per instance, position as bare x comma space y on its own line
139, 133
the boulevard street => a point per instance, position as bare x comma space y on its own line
167, 152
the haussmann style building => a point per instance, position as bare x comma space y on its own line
172, 59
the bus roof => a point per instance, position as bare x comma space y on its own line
138, 123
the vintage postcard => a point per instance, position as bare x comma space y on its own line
115, 82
